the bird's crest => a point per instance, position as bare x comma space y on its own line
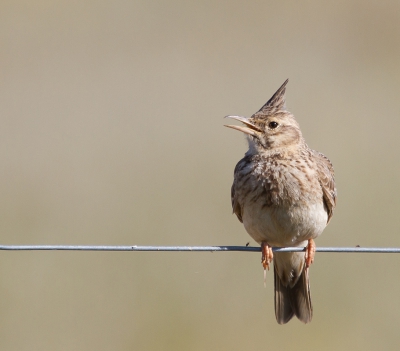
276, 102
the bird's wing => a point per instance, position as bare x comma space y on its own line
236, 206
237, 209
326, 178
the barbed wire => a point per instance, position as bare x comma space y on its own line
192, 248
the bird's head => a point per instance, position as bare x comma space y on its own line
272, 126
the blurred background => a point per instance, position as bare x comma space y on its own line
112, 134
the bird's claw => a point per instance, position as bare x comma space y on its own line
267, 255
310, 253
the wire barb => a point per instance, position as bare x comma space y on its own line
192, 248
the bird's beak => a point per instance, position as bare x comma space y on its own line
250, 128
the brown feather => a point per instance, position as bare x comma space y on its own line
326, 177
295, 301
276, 102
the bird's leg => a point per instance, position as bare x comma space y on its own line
310, 252
266, 255
266, 258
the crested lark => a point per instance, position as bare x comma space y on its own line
284, 194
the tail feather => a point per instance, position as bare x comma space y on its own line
283, 308
293, 301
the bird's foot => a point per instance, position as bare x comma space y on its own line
310, 252
266, 258
267, 255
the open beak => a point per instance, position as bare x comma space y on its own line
250, 128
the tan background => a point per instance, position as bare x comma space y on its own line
111, 133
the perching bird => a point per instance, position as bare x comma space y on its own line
284, 194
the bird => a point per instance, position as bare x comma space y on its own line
284, 193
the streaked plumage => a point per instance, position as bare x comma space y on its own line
284, 193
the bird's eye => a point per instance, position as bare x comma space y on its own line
273, 125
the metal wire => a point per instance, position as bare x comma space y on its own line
192, 248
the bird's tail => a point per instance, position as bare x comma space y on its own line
296, 300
